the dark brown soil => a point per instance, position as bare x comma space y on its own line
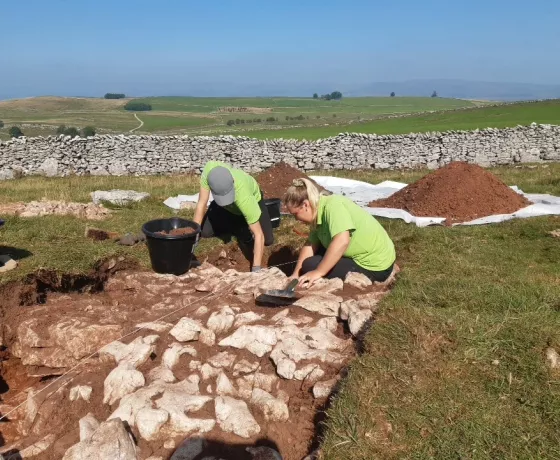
460, 192
178, 231
275, 180
230, 256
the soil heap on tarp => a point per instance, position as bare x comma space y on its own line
275, 180
460, 192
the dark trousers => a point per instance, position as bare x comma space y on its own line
344, 266
221, 223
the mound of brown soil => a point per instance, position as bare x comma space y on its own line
275, 180
460, 192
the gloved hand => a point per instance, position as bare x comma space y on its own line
256, 268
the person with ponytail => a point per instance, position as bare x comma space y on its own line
343, 238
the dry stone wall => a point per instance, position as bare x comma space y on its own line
145, 155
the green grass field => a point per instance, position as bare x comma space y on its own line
187, 115
454, 365
298, 118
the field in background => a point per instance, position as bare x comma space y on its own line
268, 118
187, 115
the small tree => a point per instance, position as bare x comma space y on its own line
61, 129
434, 94
88, 131
336, 95
114, 96
230, 122
315, 96
393, 94
1, 124
137, 106
14, 131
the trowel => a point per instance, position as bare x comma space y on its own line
288, 292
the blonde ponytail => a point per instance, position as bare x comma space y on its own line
301, 190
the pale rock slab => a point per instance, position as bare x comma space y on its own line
224, 386
87, 425
207, 337
357, 321
324, 389
121, 381
347, 307
161, 373
370, 300
357, 280
134, 354
325, 285
330, 323
157, 326
259, 340
322, 303
171, 356
273, 409
186, 330
233, 416
244, 367
310, 373
201, 311
222, 359
80, 392
207, 371
110, 440
247, 318
222, 321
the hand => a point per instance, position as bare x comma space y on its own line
309, 278
256, 268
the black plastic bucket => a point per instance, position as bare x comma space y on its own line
273, 206
170, 253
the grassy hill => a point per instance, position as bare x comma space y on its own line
546, 112
300, 118
188, 115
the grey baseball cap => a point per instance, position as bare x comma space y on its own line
221, 185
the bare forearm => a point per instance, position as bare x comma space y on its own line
199, 213
335, 251
306, 251
258, 250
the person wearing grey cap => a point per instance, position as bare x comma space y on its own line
237, 210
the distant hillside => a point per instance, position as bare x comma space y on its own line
463, 89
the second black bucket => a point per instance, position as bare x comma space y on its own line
273, 206
170, 253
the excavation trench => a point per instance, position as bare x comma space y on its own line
203, 339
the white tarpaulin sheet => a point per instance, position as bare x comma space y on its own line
363, 193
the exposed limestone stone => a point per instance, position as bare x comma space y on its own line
358, 280
259, 340
186, 330
80, 392
357, 320
273, 409
233, 416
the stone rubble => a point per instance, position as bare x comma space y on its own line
243, 360
181, 154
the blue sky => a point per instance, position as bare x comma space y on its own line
246, 47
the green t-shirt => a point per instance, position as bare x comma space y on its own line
247, 192
370, 246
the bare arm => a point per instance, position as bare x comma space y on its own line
308, 250
258, 248
201, 205
334, 252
